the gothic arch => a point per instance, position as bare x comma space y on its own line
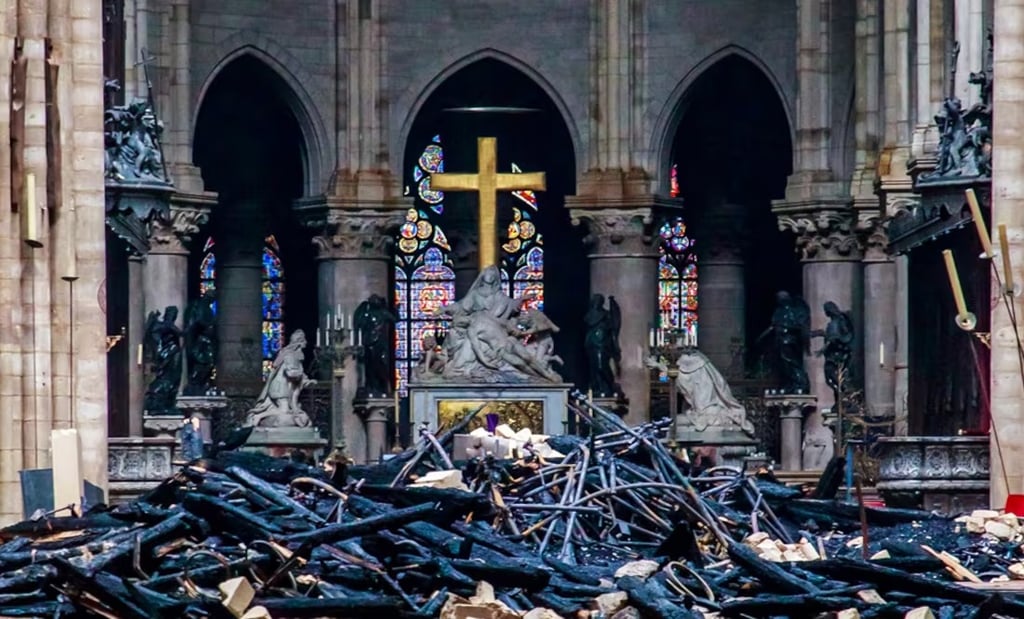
675, 107
295, 93
414, 108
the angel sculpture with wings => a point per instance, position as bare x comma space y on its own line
163, 341
601, 344
791, 336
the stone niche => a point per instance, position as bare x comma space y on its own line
947, 474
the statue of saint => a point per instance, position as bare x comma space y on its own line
837, 348
601, 344
278, 403
163, 341
791, 333
492, 339
190, 439
132, 136
373, 319
709, 398
200, 344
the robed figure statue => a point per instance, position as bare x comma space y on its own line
838, 336
791, 338
163, 342
200, 344
278, 403
374, 319
709, 399
601, 344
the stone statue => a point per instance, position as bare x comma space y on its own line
373, 319
601, 344
837, 349
132, 144
708, 397
163, 340
200, 344
191, 439
965, 137
278, 403
493, 340
791, 333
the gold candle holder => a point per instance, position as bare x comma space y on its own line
979, 224
964, 319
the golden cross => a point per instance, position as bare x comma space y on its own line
487, 182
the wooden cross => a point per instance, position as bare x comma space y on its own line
487, 182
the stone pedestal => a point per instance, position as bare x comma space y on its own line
554, 398
283, 442
731, 446
162, 426
791, 410
378, 413
203, 407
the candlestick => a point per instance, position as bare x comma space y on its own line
963, 317
979, 224
1004, 249
881, 354
138, 357
30, 215
339, 315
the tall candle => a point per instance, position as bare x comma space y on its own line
327, 337
351, 337
138, 360
979, 223
954, 283
339, 316
1004, 249
881, 354
318, 337
30, 215
650, 337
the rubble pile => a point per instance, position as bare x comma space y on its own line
617, 528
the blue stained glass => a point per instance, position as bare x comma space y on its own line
271, 264
424, 279
677, 278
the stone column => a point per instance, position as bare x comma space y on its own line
136, 334
880, 291
723, 291
355, 261
624, 264
1008, 208
239, 303
166, 267
832, 272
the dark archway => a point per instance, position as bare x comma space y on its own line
533, 137
250, 148
733, 153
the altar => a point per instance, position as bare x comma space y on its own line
541, 407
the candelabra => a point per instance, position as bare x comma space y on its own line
667, 345
336, 342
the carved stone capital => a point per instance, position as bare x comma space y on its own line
824, 236
617, 231
354, 234
873, 232
170, 231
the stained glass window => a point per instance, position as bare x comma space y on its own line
522, 269
424, 278
272, 293
673, 189
677, 279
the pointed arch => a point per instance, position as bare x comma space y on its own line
316, 164
672, 113
415, 106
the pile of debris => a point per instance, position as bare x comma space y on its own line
616, 528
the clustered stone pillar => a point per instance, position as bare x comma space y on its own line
723, 291
354, 255
831, 272
624, 265
166, 265
239, 305
1007, 436
880, 292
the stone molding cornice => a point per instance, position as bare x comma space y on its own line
349, 234
171, 231
824, 235
622, 232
